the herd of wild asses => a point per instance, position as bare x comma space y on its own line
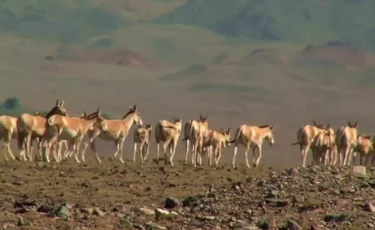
56, 128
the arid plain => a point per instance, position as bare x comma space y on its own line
258, 64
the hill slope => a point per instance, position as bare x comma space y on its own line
309, 21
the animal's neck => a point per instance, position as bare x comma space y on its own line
128, 121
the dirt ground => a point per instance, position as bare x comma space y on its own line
112, 195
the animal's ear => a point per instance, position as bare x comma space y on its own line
98, 109
134, 107
355, 124
131, 107
57, 102
228, 131
349, 124
62, 103
84, 113
272, 127
200, 117
328, 125
315, 123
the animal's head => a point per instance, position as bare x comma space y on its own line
58, 109
354, 126
320, 126
203, 120
99, 120
365, 143
148, 127
330, 135
269, 135
137, 120
227, 137
178, 123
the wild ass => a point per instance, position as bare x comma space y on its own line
168, 134
365, 148
8, 131
215, 142
73, 130
195, 132
142, 137
323, 147
31, 127
305, 137
346, 140
116, 130
252, 137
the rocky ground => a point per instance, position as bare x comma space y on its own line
131, 196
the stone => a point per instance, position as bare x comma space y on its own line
98, 212
171, 203
152, 225
63, 212
293, 225
45, 208
162, 213
361, 170
146, 211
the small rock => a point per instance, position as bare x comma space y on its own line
152, 225
293, 225
87, 210
370, 207
21, 222
98, 212
162, 213
63, 212
171, 203
146, 211
361, 170
202, 217
335, 218
45, 208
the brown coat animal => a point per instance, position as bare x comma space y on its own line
305, 137
142, 137
365, 148
116, 130
73, 130
252, 137
346, 140
8, 131
195, 132
323, 147
167, 133
34, 126
215, 142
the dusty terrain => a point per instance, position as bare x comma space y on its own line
131, 196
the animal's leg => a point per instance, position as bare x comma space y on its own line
173, 152
209, 155
259, 156
246, 155
254, 155
193, 154
326, 157
143, 151
135, 151
234, 156
361, 156
187, 143
93, 149
352, 157
304, 155
165, 145
157, 151
346, 156
217, 155
5, 151
147, 151
7, 140
121, 152
117, 149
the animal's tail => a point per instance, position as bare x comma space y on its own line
20, 133
237, 136
191, 131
